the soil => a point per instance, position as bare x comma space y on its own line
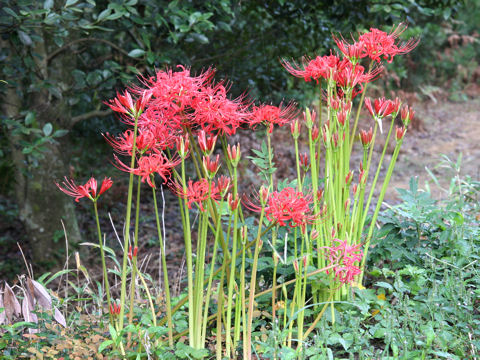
441, 128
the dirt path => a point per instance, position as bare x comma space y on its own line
450, 129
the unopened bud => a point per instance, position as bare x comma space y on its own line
295, 128
400, 132
234, 154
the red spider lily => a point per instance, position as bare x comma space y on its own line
352, 51
407, 114
205, 143
295, 127
366, 137
197, 192
234, 154
345, 256
88, 190
177, 88
305, 161
126, 105
115, 309
123, 143
400, 132
132, 254
378, 44
382, 108
211, 166
271, 115
182, 144
223, 185
341, 117
320, 67
149, 165
213, 111
348, 75
289, 207
233, 202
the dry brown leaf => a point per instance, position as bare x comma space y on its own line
59, 317
41, 294
29, 316
2, 314
30, 293
10, 303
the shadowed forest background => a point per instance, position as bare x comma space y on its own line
60, 60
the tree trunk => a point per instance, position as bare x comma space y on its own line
41, 205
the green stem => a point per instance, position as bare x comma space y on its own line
123, 291
379, 204
102, 254
232, 269
134, 259
253, 283
164, 269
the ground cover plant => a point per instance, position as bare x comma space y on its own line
278, 272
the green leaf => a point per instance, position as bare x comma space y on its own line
104, 345
48, 4
10, 12
29, 118
70, 3
24, 38
102, 16
60, 133
47, 129
136, 53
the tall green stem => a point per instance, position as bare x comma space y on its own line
123, 291
134, 259
102, 254
164, 269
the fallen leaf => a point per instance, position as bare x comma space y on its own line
41, 294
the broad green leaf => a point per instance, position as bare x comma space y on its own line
136, 53
48, 4
47, 129
29, 118
70, 3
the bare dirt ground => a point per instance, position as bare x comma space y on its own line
448, 128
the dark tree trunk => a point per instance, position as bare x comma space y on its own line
41, 205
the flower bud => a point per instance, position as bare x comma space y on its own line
295, 128
366, 137
211, 166
400, 132
234, 154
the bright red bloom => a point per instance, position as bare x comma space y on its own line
149, 165
115, 309
382, 108
123, 143
400, 132
211, 166
407, 114
378, 44
320, 67
272, 115
289, 207
206, 143
345, 256
348, 75
352, 51
88, 190
198, 192
366, 137
213, 111
126, 105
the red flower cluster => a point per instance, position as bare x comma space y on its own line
270, 115
345, 256
88, 190
346, 72
377, 44
200, 191
291, 207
